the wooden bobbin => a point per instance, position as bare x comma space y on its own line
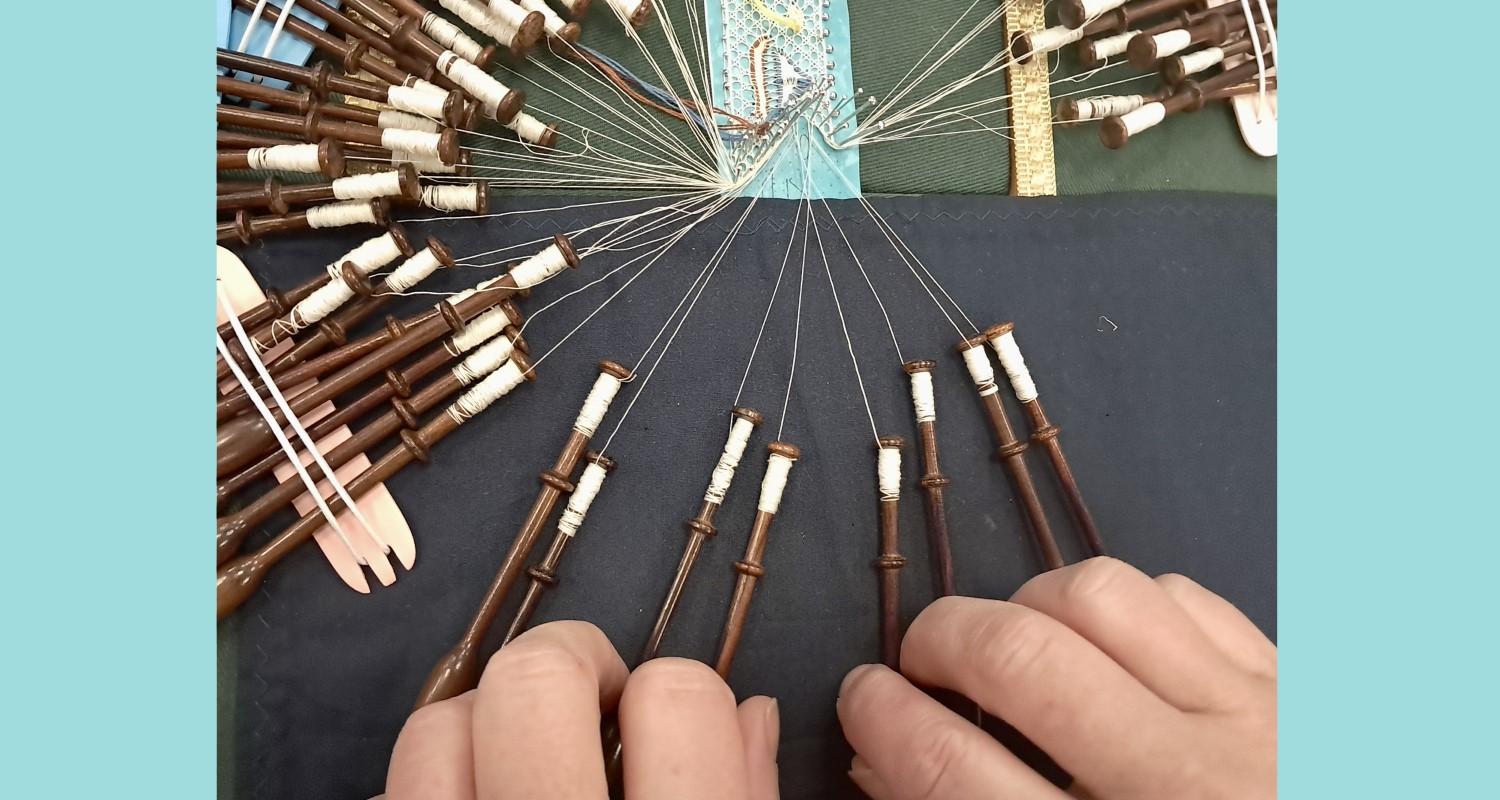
1045, 434
279, 198
1175, 69
396, 384
240, 577
406, 412
353, 58
700, 529
242, 439
889, 564
348, 274
321, 81
1191, 95
544, 573
458, 670
750, 571
313, 126
1011, 452
1211, 29
933, 482
330, 157
411, 61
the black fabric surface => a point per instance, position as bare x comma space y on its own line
1149, 324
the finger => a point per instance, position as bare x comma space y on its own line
434, 754
760, 730
1096, 720
1132, 619
918, 748
1229, 629
536, 717
681, 734
869, 782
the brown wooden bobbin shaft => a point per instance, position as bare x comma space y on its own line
320, 80
749, 568
314, 126
1045, 434
353, 58
1190, 95
240, 577
1011, 453
699, 529
544, 573
933, 483
412, 62
1211, 29
458, 670
330, 156
279, 198
246, 228
890, 561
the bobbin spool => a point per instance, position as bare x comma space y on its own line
781, 457
1190, 95
890, 561
932, 481
478, 15
557, 29
544, 573
321, 81
458, 669
353, 57
1002, 339
1009, 450
528, 24
247, 228
328, 156
370, 37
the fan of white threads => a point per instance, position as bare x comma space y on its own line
582, 497
368, 186
416, 101
1014, 366
420, 143
486, 392
888, 472
778, 468
838, 306
734, 449
485, 360
760, 333
296, 425
596, 405
978, 362
413, 271
922, 400
288, 157
335, 215
462, 197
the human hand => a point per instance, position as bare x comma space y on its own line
1139, 688
531, 729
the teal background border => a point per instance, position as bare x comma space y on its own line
1387, 426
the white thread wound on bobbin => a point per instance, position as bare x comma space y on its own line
419, 143
409, 274
367, 186
1109, 105
582, 497
734, 450
480, 17
606, 386
626, 9
473, 80
888, 468
1111, 46
423, 164
461, 197
288, 157
335, 215
497, 385
1045, 41
1172, 42
373, 254
1093, 8
778, 467
539, 267
1200, 60
978, 362
326, 300
1147, 116
528, 127
416, 101
485, 360
551, 22
922, 400
478, 330
391, 118
451, 36
426, 87
1014, 366
507, 12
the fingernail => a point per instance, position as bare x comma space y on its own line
773, 727
859, 771
855, 676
